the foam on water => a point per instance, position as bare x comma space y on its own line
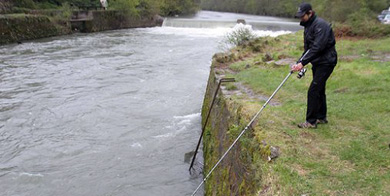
30, 175
179, 125
136, 145
207, 32
190, 116
189, 32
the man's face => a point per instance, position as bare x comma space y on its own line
305, 17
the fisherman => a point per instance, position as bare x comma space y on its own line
320, 43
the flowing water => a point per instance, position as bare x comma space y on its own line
109, 113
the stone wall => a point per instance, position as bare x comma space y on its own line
234, 176
109, 20
20, 27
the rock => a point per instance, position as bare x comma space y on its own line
158, 19
223, 57
271, 62
284, 62
242, 21
258, 62
275, 152
267, 57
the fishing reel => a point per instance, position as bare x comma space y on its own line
301, 73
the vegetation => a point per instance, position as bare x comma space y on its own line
240, 34
17, 27
56, 15
127, 6
259, 7
352, 18
348, 156
334, 10
134, 7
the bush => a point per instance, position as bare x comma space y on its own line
364, 29
240, 35
126, 6
5, 6
363, 25
25, 4
148, 7
178, 7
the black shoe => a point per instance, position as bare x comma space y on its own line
307, 125
322, 121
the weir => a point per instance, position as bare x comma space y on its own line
264, 25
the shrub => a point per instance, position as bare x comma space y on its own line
362, 27
240, 35
126, 6
25, 4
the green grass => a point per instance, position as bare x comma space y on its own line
348, 156
15, 15
363, 47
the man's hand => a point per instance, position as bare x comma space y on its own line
297, 67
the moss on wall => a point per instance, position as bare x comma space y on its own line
109, 20
235, 175
19, 27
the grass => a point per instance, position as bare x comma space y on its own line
362, 47
15, 15
348, 156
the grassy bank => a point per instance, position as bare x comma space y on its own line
348, 156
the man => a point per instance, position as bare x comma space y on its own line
319, 44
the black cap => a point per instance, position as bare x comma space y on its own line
302, 9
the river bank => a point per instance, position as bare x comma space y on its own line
347, 156
21, 27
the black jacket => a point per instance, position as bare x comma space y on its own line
319, 38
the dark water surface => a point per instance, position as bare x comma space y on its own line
109, 113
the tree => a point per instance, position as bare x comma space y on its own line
333, 10
127, 6
178, 7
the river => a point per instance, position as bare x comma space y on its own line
109, 113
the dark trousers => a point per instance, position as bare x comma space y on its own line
316, 98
